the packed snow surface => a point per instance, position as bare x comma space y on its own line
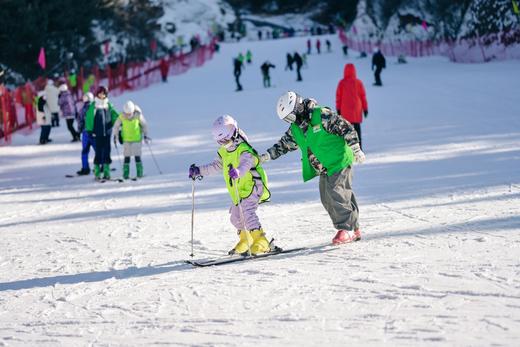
85, 263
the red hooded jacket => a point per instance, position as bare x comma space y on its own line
351, 98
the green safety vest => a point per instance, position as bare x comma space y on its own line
131, 129
331, 150
246, 183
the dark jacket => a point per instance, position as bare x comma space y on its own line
378, 60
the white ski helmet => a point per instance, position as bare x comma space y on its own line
288, 106
224, 128
129, 107
63, 87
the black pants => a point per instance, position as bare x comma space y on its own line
377, 76
267, 81
357, 126
237, 80
102, 149
298, 73
70, 126
55, 119
44, 134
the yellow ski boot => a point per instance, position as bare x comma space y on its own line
243, 244
260, 242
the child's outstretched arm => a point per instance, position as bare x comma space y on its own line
212, 168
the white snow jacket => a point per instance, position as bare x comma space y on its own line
51, 95
43, 113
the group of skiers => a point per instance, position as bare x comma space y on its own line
329, 145
98, 124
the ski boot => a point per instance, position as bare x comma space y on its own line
106, 171
139, 169
345, 236
83, 172
260, 242
242, 247
97, 172
126, 171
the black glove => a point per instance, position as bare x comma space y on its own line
338, 111
147, 140
365, 113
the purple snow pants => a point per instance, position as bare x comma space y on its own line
249, 206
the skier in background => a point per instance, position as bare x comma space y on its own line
290, 61
379, 63
237, 71
51, 96
43, 118
299, 63
309, 46
68, 110
327, 43
240, 165
133, 130
164, 67
87, 140
265, 73
249, 57
328, 145
318, 46
99, 121
351, 99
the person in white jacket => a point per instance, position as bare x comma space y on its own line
51, 95
43, 118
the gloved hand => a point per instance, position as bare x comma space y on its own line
234, 173
338, 111
147, 139
264, 157
358, 153
365, 113
194, 172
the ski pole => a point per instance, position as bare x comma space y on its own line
118, 155
153, 157
192, 212
199, 177
240, 211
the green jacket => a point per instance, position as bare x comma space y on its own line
331, 150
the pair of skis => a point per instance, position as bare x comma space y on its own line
326, 247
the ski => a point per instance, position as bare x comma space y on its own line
234, 259
103, 180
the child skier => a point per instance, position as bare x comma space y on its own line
240, 166
99, 121
329, 145
133, 130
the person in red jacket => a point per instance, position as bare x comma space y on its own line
351, 100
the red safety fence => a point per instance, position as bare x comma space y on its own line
17, 108
501, 46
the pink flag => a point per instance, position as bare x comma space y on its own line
41, 58
424, 25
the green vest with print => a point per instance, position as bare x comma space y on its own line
131, 129
246, 183
331, 150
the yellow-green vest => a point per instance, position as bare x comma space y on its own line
246, 183
131, 129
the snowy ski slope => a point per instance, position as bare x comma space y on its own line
89, 264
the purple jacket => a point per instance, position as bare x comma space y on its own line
66, 103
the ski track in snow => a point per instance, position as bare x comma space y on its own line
94, 264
